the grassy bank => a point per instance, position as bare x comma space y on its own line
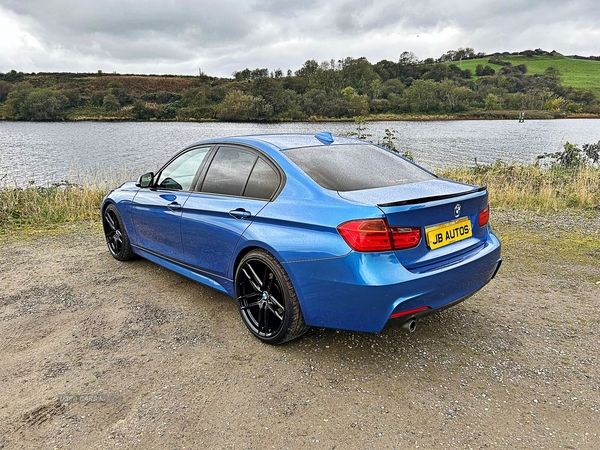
481, 114
535, 188
46, 208
511, 187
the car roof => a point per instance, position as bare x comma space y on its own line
286, 141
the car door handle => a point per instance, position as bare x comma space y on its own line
174, 206
240, 213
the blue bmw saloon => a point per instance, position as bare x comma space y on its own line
308, 230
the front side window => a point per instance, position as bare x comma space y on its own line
180, 172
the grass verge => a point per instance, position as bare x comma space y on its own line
34, 209
532, 187
37, 209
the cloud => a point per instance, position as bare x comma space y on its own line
179, 36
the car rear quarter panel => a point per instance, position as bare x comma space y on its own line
301, 224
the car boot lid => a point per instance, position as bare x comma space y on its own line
413, 193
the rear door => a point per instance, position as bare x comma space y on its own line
236, 186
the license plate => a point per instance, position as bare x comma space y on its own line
447, 233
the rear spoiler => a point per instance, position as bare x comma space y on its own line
415, 201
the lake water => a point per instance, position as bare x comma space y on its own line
45, 153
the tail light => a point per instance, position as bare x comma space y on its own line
375, 235
484, 216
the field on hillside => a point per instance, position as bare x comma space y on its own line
579, 73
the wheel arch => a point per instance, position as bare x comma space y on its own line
295, 325
123, 209
240, 255
105, 204
254, 245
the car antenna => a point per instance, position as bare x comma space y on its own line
325, 137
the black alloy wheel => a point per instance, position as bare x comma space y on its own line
116, 234
267, 300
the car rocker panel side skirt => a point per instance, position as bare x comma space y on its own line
217, 282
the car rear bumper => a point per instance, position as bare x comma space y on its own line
361, 291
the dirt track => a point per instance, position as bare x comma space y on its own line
98, 354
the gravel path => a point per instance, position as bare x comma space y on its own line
99, 354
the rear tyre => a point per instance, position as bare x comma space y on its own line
116, 234
267, 300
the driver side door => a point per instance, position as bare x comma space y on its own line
156, 210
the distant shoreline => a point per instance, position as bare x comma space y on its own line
484, 115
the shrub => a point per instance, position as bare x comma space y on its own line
239, 106
572, 157
111, 103
43, 104
141, 112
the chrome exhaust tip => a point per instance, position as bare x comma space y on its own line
410, 325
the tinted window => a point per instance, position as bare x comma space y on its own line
263, 182
355, 167
229, 171
180, 172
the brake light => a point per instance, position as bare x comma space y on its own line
366, 235
405, 237
375, 235
484, 216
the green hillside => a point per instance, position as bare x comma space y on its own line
348, 88
578, 73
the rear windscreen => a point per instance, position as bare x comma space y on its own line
355, 167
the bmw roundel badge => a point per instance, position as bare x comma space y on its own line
457, 210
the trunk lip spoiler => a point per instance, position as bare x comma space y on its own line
414, 201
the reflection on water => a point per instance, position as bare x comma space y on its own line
50, 152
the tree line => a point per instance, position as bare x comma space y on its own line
330, 89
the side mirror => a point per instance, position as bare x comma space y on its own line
145, 180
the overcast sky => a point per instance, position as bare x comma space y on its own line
222, 36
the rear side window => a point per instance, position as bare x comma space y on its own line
355, 167
263, 182
229, 171
239, 173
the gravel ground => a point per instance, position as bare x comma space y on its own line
99, 354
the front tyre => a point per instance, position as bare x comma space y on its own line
267, 300
116, 234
